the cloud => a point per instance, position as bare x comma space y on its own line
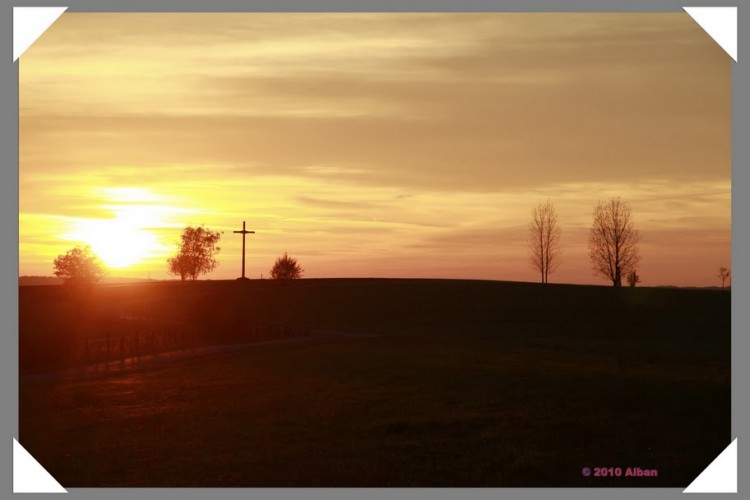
463, 101
485, 240
337, 204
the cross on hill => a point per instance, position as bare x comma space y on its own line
243, 233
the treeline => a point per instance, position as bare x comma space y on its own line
80, 268
613, 244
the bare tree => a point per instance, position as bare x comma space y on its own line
613, 241
724, 273
544, 239
633, 279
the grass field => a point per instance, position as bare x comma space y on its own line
468, 383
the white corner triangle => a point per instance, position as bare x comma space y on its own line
29, 23
720, 476
29, 476
720, 23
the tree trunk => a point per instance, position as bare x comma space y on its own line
618, 277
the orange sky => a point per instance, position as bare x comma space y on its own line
389, 145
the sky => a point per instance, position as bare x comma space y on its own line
374, 145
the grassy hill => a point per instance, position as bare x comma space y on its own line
467, 383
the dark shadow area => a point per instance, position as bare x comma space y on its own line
467, 383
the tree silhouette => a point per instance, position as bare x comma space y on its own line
196, 253
544, 239
613, 241
79, 267
286, 268
633, 279
179, 265
724, 273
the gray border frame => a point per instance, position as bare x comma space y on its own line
9, 246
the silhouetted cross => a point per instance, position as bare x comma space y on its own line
243, 233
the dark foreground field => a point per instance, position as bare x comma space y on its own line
466, 384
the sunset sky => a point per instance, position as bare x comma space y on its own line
375, 145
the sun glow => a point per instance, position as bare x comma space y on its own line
127, 238
117, 242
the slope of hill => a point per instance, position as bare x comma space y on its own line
467, 383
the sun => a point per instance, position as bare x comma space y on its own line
129, 235
120, 246
119, 242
